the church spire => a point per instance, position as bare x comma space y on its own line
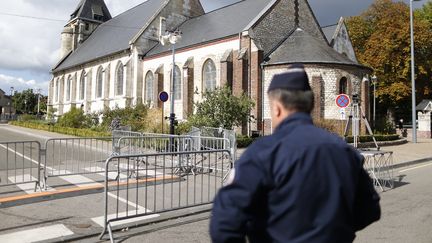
95, 10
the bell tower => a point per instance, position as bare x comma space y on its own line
88, 15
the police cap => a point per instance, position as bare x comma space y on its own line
295, 78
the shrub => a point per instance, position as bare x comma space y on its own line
244, 141
27, 117
129, 116
75, 118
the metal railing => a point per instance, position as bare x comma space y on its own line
20, 163
157, 188
75, 156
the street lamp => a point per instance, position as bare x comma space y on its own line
172, 38
413, 95
12, 89
374, 80
38, 91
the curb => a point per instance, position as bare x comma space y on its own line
412, 162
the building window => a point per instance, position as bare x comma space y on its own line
82, 86
177, 84
119, 79
57, 92
87, 27
99, 83
209, 75
68, 88
343, 85
149, 87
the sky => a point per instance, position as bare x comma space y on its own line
30, 47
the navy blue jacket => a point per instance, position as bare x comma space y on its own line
302, 184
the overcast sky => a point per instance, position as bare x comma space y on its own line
29, 47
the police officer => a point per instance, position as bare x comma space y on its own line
301, 184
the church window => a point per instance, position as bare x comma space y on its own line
68, 88
82, 86
209, 75
57, 92
149, 87
99, 83
119, 79
343, 85
87, 27
177, 84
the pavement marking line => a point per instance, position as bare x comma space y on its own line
128, 202
79, 180
100, 220
414, 168
79, 189
25, 157
38, 234
26, 187
112, 175
148, 172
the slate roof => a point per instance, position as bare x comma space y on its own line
425, 105
329, 32
86, 8
227, 21
301, 47
112, 36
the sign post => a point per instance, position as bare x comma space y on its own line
163, 97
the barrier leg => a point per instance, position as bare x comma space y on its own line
110, 233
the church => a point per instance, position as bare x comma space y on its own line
111, 62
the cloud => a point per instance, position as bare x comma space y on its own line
21, 84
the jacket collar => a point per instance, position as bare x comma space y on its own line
294, 120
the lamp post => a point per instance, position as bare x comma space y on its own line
38, 91
172, 38
12, 89
413, 95
374, 80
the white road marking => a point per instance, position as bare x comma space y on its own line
29, 187
79, 180
112, 175
38, 234
414, 168
25, 157
100, 220
142, 171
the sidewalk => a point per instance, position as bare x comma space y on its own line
409, 152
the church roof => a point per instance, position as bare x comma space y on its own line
86, 9
227, 21
301, 47
112, 36
329, 32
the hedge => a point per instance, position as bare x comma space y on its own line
62, 130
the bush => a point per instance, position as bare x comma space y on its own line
26, 117
75, 118
63, 130
129, 116
244, 141
379, 138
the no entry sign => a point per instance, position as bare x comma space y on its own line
163, 96
343, 101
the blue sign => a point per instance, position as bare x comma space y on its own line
343, 101
163, 96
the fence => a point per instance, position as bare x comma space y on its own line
75, 156
219, 133
20, 163
156, 187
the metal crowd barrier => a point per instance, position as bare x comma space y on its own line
156, 188
75, 156
379, 165
20, 163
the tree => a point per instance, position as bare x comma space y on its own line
25, 101
220, 108
381, 38
75, 118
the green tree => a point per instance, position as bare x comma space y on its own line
220, 108
129, 116
381, 38
25, 101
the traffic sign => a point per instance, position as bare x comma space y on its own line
343, 113
163, 96
343, 101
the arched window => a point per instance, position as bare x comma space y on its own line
119, 79
149, 87
68, 88
99, 83
209, 75
57, 90
343, 85
177, 84
82, 86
